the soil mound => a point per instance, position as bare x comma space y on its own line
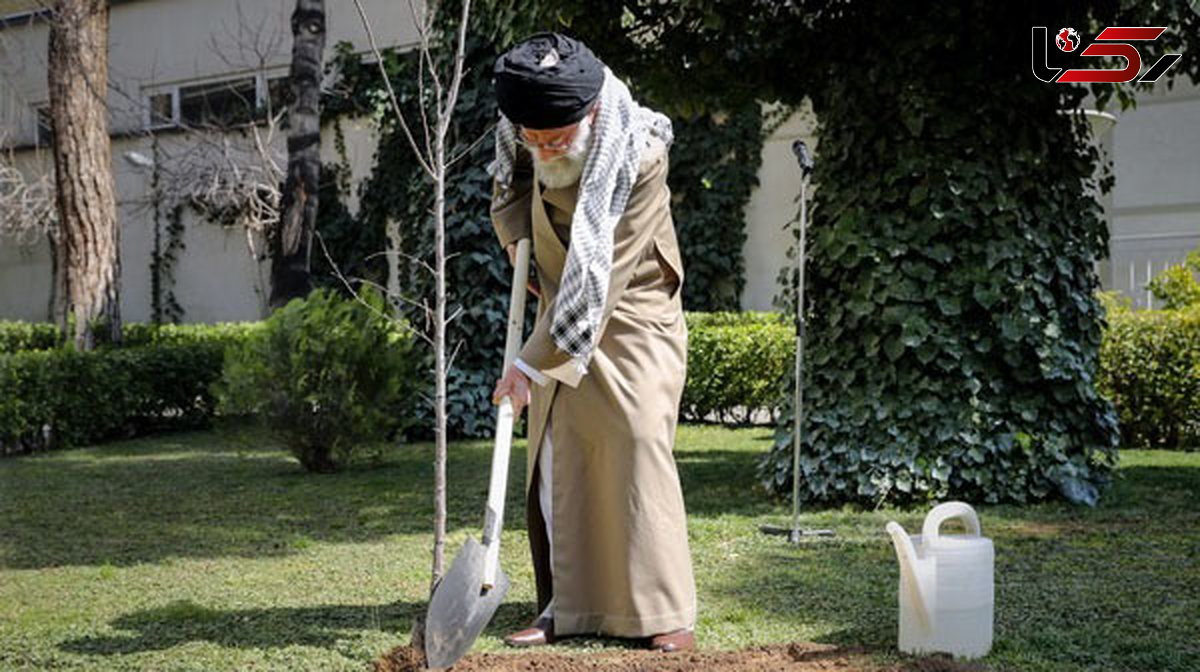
794, 657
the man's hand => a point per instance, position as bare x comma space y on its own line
533, 286
514, 385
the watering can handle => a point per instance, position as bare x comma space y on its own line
907, 555
931, 530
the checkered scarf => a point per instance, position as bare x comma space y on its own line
620, 132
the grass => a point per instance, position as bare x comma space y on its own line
194, 552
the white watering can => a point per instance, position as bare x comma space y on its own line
946, 590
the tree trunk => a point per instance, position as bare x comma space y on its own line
392, 231
439, 350
87, 211
291, 242
59, 290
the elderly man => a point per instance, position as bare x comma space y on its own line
581, 169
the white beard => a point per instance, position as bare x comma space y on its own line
563, 171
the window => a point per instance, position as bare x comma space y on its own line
24, 18
279, 93
45, 126
227, 103
223, 103
163, 110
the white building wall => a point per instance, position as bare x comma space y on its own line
773, 206
1156, 203
1153, 211
157, 43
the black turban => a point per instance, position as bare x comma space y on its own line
558, 94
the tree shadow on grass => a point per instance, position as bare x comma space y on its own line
720, 482
846, 589
326, 627
1109, 587
200, 495
1151, 496
189, 495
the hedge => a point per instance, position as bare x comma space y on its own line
1150, 369
159, 379
62, 397
138, 334
737, 364
22, 336
18, 336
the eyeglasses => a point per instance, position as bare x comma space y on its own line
559, 145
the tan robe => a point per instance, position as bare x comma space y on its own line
621, 564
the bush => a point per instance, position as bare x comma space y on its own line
326, 374
18, 336
697, 320
60, 397
1177, 286
24, 336
737, 363
228, 333
1150, 369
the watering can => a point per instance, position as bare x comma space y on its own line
946, 590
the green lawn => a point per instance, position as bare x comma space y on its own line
189, 552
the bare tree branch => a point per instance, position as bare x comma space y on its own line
475, 143
353, 292
421, 158
27, 206
424, 54
459, 59
433, 161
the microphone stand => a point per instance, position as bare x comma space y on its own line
795, 533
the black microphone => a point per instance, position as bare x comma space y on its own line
801, 151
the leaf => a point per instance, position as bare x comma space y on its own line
914, 331
986, 295
949, 305
918, 195
893, 347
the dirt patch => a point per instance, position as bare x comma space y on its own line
795, 657
401, 659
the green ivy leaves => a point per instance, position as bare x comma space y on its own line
952, 303
714, 169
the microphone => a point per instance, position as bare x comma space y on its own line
803, 157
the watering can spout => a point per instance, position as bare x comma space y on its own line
910, 569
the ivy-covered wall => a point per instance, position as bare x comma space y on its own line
714, 166
953, 324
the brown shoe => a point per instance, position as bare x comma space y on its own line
539, 633
682, 639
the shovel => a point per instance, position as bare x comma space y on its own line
465, 599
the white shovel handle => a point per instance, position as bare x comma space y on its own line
493, 519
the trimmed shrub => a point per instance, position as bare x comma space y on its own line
24, 336
19, 336
327, 375
1177, 287
737, 363
56, 398
228, 333
697, 320
1150, 369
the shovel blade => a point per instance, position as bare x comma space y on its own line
459, 608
